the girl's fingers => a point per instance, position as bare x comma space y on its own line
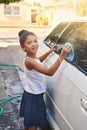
68, 48
55, 47
65, 51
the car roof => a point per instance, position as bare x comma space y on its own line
70, 20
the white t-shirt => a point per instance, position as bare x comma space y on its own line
34, 81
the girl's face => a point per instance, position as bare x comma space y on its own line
31, 45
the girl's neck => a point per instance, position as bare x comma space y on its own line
31, 56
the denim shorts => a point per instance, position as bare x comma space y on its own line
33, 110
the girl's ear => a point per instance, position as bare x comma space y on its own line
23, 48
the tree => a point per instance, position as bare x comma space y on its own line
8, 1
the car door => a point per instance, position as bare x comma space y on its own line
66, 94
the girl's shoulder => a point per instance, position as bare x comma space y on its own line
30, 58
29, 62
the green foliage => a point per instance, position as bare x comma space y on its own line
41, 19
8, 1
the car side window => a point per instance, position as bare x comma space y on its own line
77, 36
80, 47
54, 35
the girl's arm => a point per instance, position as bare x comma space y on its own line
45, 55
32, 64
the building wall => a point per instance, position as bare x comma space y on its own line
54, 13
23, 17
2, 17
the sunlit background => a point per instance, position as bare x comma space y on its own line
41, 12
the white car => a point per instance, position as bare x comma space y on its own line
66, 93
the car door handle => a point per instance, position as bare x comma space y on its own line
84, 104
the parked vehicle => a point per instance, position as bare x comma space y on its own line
66, 93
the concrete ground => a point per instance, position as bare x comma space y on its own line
10, 85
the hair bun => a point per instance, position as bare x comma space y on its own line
22, 32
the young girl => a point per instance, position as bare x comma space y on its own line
32, 105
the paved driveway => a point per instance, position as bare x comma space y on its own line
13, 32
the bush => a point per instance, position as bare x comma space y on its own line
41, 20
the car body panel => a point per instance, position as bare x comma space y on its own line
66, 94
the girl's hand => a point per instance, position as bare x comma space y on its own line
65, 51
53, 48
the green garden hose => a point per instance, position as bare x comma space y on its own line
1, 110
8, 99
1, 64
12, 97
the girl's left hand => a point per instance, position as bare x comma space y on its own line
53, 48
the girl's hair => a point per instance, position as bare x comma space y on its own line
23, 35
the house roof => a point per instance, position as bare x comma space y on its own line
49, 3
30, 4
54, 4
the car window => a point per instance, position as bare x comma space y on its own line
78, 38
76, 35
54, 35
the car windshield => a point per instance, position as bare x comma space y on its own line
54, 35
75, 34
